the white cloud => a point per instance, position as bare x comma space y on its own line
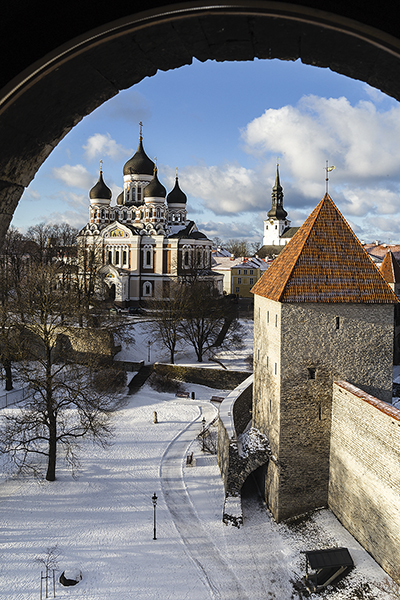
74, 176
359, 201
224, 189
359, 140
244, 229
100, 145
73, 218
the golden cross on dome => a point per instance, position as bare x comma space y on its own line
141, 129
101, 166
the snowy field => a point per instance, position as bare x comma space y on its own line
102, 520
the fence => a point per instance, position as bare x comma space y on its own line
12, 397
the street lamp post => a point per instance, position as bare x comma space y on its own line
203, 432
154, 499
148, 351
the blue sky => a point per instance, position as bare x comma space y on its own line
225, 125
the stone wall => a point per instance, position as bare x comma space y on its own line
364, 484
239, 452
299, 349
220, 379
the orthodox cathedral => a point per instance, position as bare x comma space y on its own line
145, 241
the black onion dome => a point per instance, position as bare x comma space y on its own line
120, 199
155, 189
100, 190
140, 163
176, 196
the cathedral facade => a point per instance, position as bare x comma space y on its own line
144, 241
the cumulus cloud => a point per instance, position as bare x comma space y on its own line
73, 218
100, 145
74, 176
358, 201
227, 189
359, 140
245, 229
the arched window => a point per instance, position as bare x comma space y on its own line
124, 257
109, 257
148, 258
147, 288
186, 258
117, 257
124, 215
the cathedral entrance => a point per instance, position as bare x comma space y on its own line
109, 292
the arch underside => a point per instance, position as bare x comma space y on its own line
41, 105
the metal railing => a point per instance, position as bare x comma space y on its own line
12, 397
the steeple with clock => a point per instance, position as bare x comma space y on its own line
277, 222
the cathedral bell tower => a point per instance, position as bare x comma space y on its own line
277, 221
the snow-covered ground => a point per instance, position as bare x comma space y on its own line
148, 349
102, 521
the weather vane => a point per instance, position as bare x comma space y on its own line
327, 169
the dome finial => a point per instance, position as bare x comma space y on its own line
140, 130
101, 166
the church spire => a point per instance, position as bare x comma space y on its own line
277, 211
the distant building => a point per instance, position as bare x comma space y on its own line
391, 271
246, 274
378, 251
239, 274
145, 241
277, 227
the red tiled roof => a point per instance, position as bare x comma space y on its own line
324, 262
390, 269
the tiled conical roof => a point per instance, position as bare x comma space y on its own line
390, 269
324, 262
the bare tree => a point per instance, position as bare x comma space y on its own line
89, 281
63, 405
204, 318
238, 247
166, 322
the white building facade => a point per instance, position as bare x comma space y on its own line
145, 241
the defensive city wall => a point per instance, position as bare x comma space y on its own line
364, 475
364, 472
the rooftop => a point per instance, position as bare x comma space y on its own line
324, 262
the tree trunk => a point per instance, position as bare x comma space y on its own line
52, 419
7, 369
51, 465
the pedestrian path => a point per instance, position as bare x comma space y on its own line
215, 572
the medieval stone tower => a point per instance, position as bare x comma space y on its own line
322, 311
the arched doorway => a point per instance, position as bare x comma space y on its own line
57, 75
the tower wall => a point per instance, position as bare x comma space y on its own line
299, 350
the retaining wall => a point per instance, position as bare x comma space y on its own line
215, 378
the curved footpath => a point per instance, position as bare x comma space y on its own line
215, 572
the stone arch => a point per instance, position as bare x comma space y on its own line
57, 75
